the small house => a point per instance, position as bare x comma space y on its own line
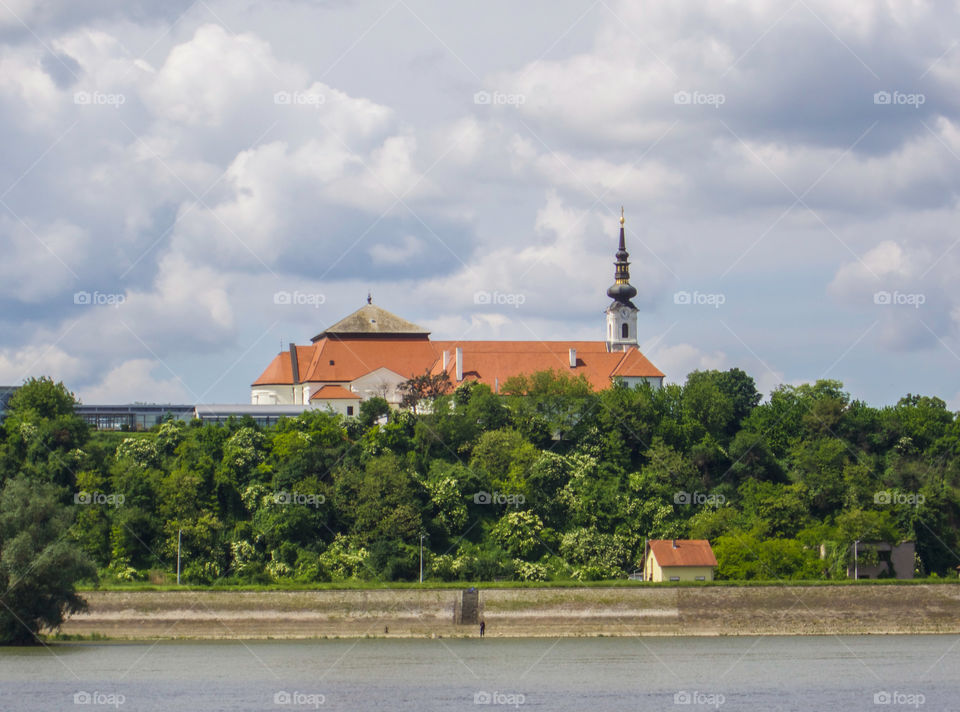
678, 560
882, 559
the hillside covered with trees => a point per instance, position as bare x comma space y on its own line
545, 481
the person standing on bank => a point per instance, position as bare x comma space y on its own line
483, 628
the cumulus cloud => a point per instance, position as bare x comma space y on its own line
196, 167
138, 381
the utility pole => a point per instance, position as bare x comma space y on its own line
421, 558
856, 564
179, 535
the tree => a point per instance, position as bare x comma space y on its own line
423, 387
39, 566
43, 434
372, 409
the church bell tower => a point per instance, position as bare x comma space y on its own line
621, 326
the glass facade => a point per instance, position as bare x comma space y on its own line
132, 417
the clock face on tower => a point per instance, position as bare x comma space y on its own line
624, 313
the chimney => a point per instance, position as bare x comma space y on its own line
459, 364
294, 369
674, 543
573, 358
446, 359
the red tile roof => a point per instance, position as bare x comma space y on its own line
493, 362
688, 552
331, 392
345, 359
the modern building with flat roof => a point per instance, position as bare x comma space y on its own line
136, 416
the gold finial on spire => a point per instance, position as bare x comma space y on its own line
621, 215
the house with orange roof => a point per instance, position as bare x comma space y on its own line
678, 560
372, 351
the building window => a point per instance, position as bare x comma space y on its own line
674, 578
701, 578
625, 330
349, 410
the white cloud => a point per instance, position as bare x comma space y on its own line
137, 381
677, 361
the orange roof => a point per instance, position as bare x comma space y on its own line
635, 365
493, 362
277, 373
344, 359
348, 359
688, 552
331, 392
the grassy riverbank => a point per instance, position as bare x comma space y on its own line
515, 611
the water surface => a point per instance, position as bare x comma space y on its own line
766, 673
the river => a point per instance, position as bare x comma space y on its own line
846, 673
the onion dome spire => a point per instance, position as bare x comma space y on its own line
621, 290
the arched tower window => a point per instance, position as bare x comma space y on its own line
625, 331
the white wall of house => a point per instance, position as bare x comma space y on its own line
342, 406
652, 571
380, 382
272, 395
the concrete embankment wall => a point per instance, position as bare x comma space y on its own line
767, 610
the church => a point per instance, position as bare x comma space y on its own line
372, 351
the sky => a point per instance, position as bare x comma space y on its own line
188, 187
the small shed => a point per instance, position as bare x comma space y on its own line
678, 560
